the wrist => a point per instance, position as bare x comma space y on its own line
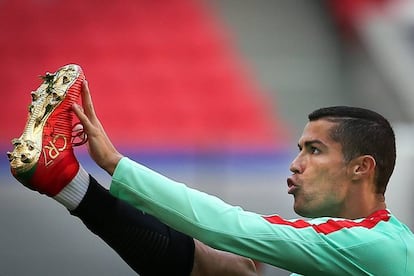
112, 163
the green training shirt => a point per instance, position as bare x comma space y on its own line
376, 245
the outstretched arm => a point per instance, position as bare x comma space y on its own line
196, 214
223, 235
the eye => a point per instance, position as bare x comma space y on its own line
314, 150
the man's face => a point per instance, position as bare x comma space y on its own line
319, 180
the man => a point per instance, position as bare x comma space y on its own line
346, 156
339, 177
43, 160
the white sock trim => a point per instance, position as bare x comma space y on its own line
73, 193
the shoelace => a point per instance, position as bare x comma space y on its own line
79, 137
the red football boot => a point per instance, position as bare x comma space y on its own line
43, 158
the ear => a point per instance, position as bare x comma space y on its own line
362, 166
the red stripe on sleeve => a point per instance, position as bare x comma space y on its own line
332, 225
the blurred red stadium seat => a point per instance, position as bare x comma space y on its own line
163, 74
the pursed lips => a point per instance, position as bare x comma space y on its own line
292, 186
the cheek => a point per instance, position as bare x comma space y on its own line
320, 192
327, 176
329, 183
330, 188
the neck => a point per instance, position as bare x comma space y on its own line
363, 205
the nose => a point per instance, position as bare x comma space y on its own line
296, 166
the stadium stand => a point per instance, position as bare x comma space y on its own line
164, 75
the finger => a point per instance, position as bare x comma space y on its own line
81, 116
87, 101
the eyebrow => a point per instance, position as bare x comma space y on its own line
311, 142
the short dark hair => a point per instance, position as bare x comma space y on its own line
362, 131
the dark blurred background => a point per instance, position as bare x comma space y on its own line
211, 93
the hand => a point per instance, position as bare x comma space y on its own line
100, 148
